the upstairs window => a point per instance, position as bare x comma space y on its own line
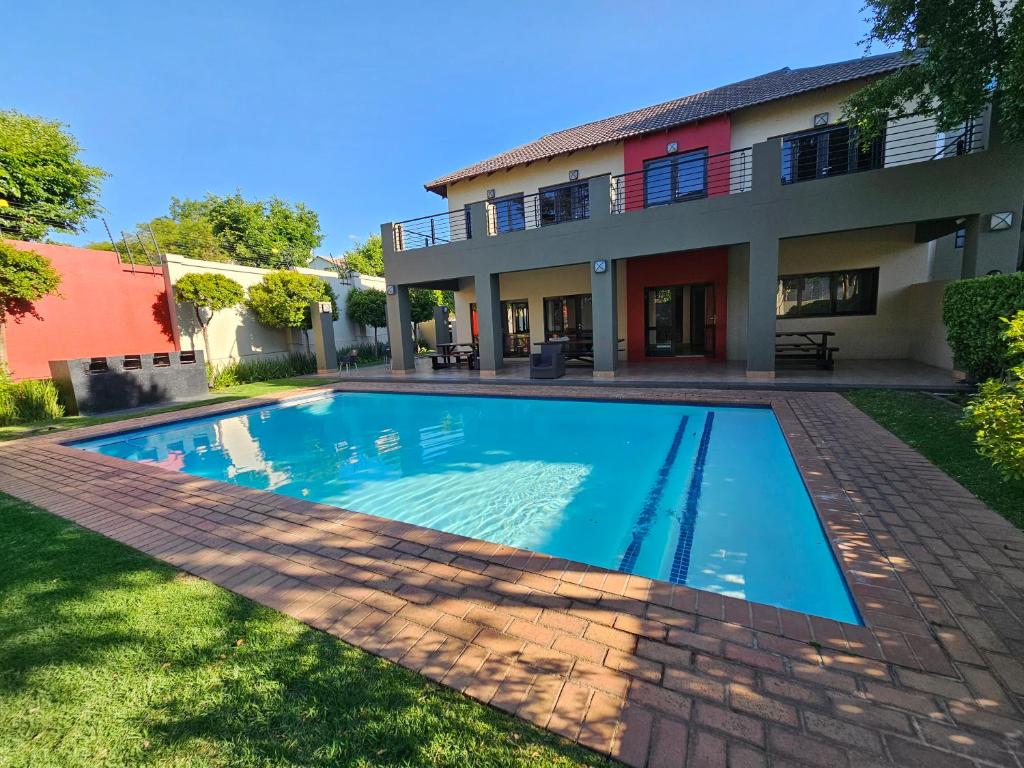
821, 294
509, 214
829, 152
564, 203
676, 177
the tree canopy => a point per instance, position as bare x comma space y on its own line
211, 292
972, 53
25, 277
367, 306
367, 257
421, 304
44, 184
282, 299
259, 233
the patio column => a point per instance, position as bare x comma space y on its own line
762, 287
403, 359
604, 305
488, 314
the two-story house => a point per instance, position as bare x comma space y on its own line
697, 229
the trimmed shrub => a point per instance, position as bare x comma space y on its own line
972, 311
28, 401
996, 413
263, 369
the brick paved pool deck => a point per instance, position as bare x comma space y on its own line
648, 672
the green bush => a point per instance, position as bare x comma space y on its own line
996, 413
263, 369
366, 354
28, 401
972, 312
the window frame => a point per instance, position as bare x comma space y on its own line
584, 187
822, 161
507, 199
675, 158
832, 274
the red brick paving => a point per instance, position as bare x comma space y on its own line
650, 673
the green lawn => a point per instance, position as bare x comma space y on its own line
933, 428
228, 394
110, 658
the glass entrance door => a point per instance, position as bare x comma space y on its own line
516, 328
680, 320
569, 317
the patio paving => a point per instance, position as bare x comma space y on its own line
651, 673
848, 374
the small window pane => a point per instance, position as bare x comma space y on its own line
658, 181
509, 214
690, 174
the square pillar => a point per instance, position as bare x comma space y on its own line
403, 359
488, 314
604, 296
762, 288
322, 322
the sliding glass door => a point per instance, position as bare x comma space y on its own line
516, 328
680, 320
569, 317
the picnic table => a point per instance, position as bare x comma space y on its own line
810, 346
452, 354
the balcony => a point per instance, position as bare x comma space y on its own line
816, 154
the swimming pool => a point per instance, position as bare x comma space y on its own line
709, 497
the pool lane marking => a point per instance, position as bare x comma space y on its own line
681, 559
642, 526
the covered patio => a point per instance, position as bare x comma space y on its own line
848, 374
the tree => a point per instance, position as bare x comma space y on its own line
44, 185
208, 293
421, 304
367, 258
282, 299
971, 53
368, 307
25, 277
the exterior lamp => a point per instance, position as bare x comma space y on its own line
1001, 221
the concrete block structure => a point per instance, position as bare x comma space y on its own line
695, 230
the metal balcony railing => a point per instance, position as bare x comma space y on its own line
541, 209
837, 150
437, 229
681, 177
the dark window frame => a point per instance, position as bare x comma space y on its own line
856, 161
578, 209
674, 196
508, 199
833, 311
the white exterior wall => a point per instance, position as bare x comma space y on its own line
889, 333
534, 286
238, 335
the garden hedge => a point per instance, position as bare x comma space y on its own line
972, 311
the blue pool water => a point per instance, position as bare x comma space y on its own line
707, 497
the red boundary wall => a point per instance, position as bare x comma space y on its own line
104, 308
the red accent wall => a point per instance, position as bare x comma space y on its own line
713, 134
710, 265
103, 309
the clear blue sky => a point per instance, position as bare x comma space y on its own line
351, 107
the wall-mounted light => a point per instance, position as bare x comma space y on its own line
820, 119
600, 266
490, 194
574, 175
672, 146
391, 290
1001, 221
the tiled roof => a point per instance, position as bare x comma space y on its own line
776, 85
